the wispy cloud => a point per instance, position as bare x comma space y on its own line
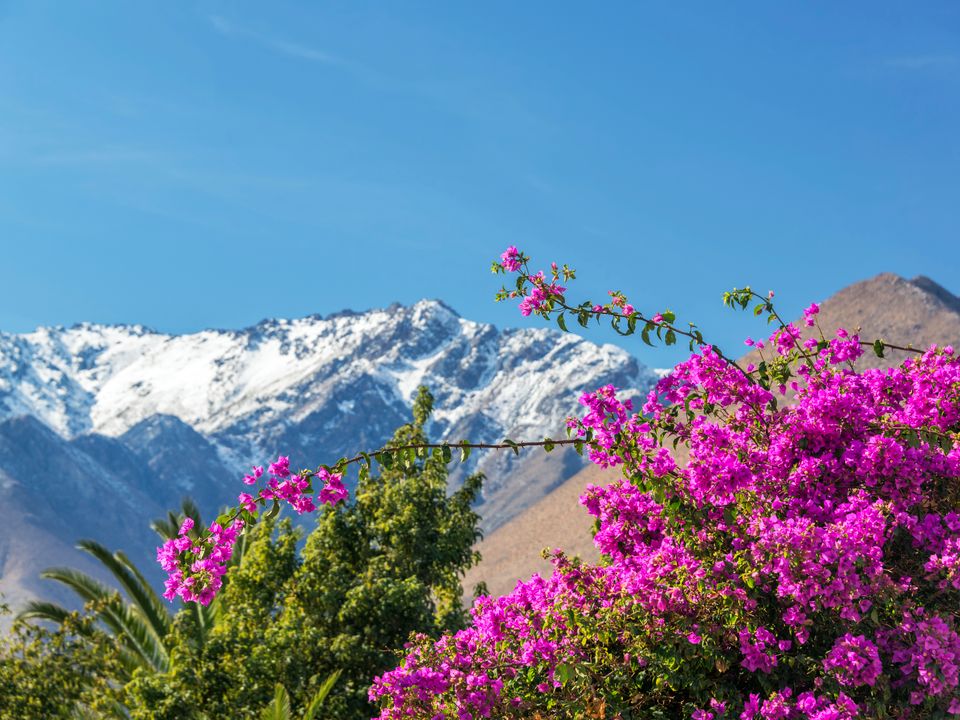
271, 42
923, 62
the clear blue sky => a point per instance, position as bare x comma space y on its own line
203, 164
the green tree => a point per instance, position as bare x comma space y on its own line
370, 574
60, 673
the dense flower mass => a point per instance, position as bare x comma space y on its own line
795, 557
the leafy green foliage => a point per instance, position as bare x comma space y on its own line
59, 673
369, 575
138, 626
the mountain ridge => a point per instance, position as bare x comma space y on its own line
135, 418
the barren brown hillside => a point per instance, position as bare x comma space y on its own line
900, 311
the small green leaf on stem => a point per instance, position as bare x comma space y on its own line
273, 511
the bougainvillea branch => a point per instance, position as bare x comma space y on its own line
197, 559
547, 298
796, 560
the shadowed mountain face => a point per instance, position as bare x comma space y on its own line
56, 491
103, 428
917, 312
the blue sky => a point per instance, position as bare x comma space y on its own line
204, 164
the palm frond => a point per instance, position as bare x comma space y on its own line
124, 621
315, 704
169, 526
279, 707
133, 583
42, 610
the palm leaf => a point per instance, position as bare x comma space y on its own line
135, 585
124, 621
317, 702
42, 610
279, 707
169, 527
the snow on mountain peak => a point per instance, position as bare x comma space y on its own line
242, 387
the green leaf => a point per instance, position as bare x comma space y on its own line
878, 347
562, 322
273, 511
464, 451
512, 445
565, 673
668, 316
670, 338
548, 444
447, 453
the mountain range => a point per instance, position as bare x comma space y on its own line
103, 428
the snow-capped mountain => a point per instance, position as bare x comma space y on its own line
133, 419
245, 390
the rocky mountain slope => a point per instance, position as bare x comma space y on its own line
918, 312
103, 428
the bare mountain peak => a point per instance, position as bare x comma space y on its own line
888, 282
930, 287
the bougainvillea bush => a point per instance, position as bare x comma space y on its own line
784, 541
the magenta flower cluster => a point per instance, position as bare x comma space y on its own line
797, 555
854, 660
196, 567
196, 562
541, 291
